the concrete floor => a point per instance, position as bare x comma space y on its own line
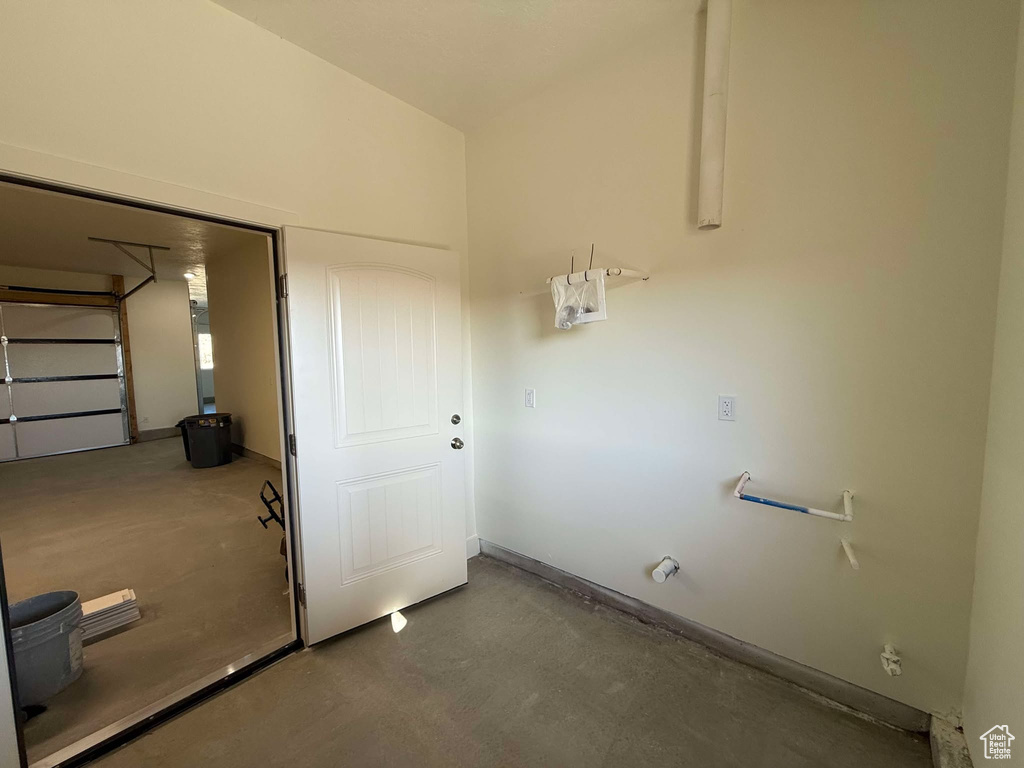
513, 671
209, 579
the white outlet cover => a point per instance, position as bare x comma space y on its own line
531, 398
727, 407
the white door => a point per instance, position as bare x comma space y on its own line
376, 357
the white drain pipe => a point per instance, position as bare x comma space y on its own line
664, 569
712, 128
848, 549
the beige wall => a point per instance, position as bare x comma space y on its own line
243, 115
995, 670
241, 294
848, 303
163, 358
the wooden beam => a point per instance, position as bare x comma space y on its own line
117, 283
61, 299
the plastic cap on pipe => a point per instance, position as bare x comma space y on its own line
665, 568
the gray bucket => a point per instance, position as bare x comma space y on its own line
47, 637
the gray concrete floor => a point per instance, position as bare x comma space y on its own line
512, 671
209, 579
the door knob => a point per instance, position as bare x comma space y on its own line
457, 444
456, 418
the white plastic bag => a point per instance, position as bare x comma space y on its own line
579, 298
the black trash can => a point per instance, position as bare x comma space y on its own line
184, 437
207, 439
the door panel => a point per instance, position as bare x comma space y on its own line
384, 383
389, 520
375, 343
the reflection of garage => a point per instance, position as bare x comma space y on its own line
108, 346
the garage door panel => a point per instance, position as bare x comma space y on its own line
88, 348
33, 322
66, 397
29, 360
40, 438
6, 442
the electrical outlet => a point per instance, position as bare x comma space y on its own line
531, 398
727, 407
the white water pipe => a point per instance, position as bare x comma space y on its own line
846, 517
848, 549
713, 117
891, 661
664, 569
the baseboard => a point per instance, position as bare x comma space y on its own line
853, 696
241, 450
158, 434
472, 546
949, 747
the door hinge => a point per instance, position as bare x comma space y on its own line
291, 444
300, 591
282, 286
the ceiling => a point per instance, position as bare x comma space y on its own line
462, 61
51, 230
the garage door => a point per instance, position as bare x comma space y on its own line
64, 380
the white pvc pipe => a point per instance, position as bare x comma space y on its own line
891, 662
713, 117
664, 569
744, 479
846, 516
848, 549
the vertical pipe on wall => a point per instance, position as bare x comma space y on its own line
712, 129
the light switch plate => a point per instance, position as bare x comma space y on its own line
531, 398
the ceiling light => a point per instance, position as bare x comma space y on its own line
190, 275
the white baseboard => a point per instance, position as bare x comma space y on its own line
472, 546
